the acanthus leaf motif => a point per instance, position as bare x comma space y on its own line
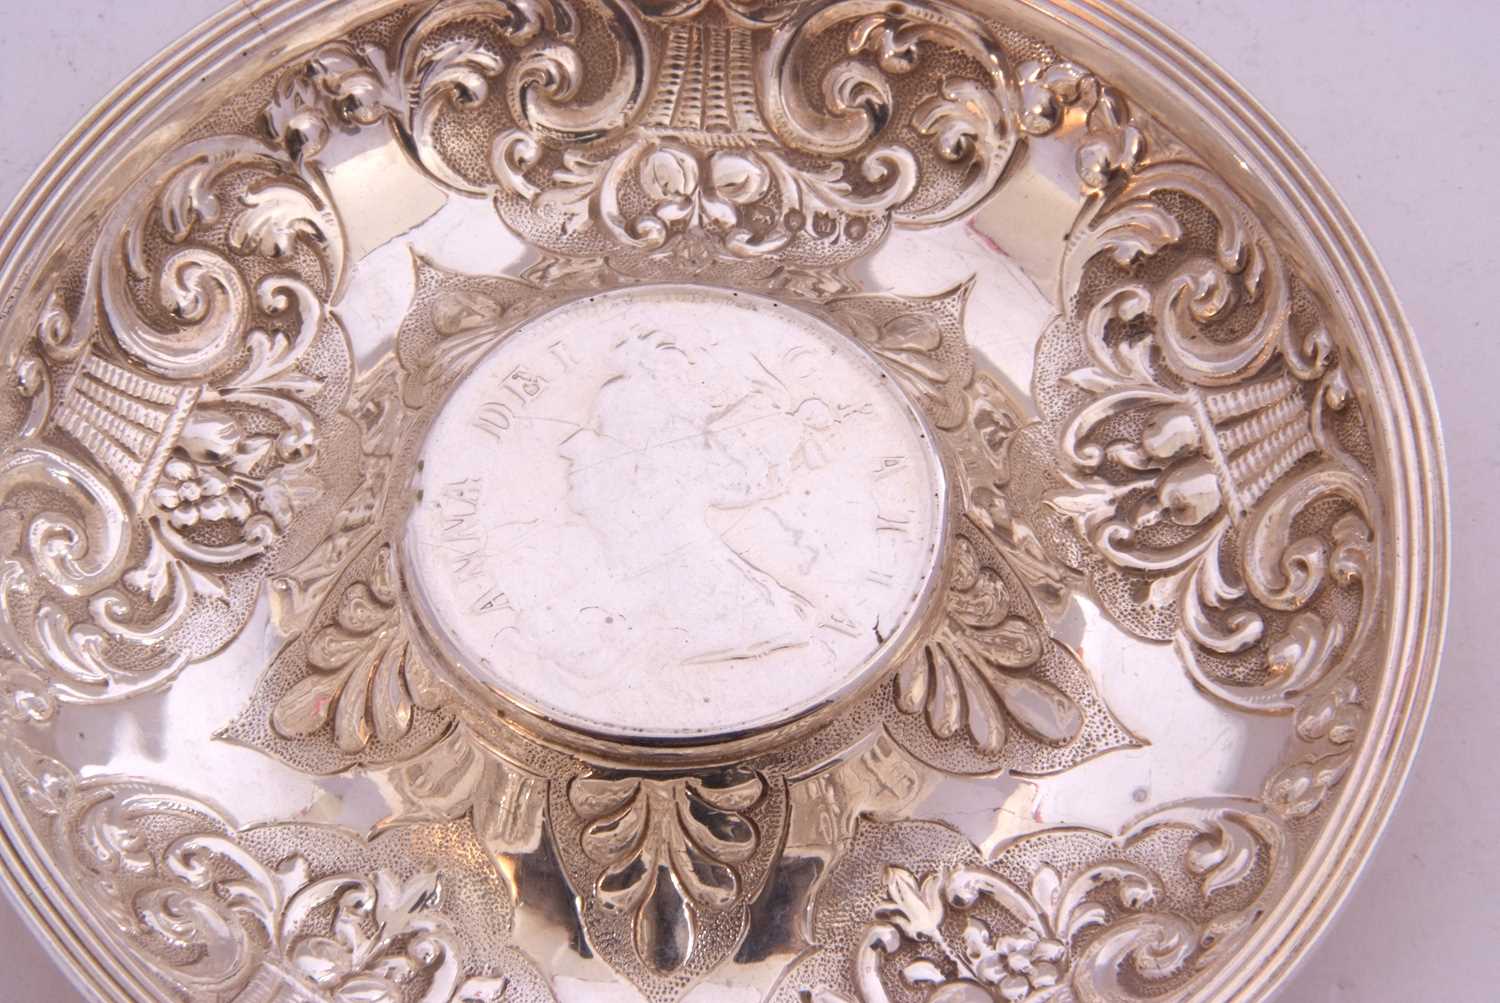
986, 672
669, 850
970, 673
674, 850
1186, 455
222, 912
367, 677
713, 168
1023, 929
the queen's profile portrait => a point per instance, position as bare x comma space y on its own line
691, 485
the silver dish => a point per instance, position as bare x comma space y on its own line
705, 500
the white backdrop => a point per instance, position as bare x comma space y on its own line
1395, 101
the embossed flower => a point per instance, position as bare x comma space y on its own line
1015, 965
200, 483
1015, 968
219, 473
191, 493
384, 934
1025, 966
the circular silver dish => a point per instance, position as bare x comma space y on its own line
704, 500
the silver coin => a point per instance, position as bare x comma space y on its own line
675, 513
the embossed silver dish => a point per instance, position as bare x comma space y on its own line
703, 500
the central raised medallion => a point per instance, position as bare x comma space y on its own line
675, 515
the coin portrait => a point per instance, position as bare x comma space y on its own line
676, 502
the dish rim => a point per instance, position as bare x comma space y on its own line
1183, 87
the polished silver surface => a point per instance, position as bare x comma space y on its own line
675, 513
717, 500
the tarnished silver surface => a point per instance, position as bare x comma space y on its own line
710, 500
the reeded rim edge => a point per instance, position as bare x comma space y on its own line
1305, 201
75, 164
1410, 427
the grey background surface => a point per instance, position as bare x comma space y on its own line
1395, 102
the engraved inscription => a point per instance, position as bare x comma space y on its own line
461, 544
519, 388
704, 512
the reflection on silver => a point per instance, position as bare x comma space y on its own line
669, 512
709, 500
